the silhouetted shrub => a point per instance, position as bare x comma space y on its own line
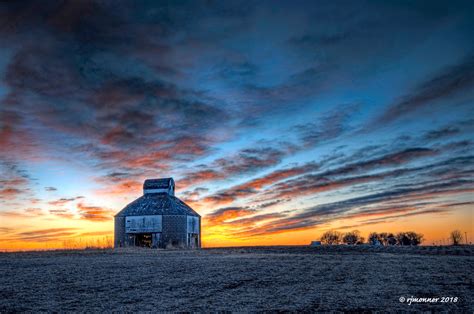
456, 237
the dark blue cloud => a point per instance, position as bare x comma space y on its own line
449, 84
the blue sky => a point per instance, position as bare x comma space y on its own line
262, 110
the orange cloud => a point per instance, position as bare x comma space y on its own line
253, 186
42, 235
120, 186
63, 213
94, 213
96, 233
10, 193
27, 212
201, 176
245, 222
227, 213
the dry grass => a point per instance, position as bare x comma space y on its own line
236, 279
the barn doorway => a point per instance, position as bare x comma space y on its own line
193, 240
143, 239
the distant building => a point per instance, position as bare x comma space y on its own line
315, 243
158, 219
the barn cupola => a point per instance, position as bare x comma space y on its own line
155, 186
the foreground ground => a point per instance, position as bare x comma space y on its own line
237, 279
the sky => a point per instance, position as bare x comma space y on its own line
278, 120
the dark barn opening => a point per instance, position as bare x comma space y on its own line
143, 240
193, 240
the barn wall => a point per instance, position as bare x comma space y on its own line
119, 232
193, 224
143, 224
174, 231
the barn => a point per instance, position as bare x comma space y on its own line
158, 219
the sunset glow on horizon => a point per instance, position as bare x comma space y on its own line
277, 121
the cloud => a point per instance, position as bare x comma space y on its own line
11, 214
245, 161
271, 203
445, 85
10, 193
16, 139
96, 233
236, 112
6, 230
425, 191
325, 213
246, 222
44, 231
195, 193
388, 160
94, 213
311, 183
253, 186
221, 215
14, 182
441, 133
314, 184
327, 180
33, 211
458, 204
330, 126
96, 99
64, 201
410, 214
45, 235
119, 186
62, 213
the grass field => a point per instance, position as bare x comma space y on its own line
237, 279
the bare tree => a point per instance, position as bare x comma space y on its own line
409, 238
352, 238
387, 238
415, 238
331, 237
391, 240
456, 237
374, 238
383, 238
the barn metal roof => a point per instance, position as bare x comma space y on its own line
158, 183
157, 204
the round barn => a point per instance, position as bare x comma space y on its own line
158, 219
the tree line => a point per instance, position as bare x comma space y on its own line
332, 237
384, 238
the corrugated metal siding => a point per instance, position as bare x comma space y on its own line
192, 224
119, 232
163, 183
174, 231
143, 224
157, 204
